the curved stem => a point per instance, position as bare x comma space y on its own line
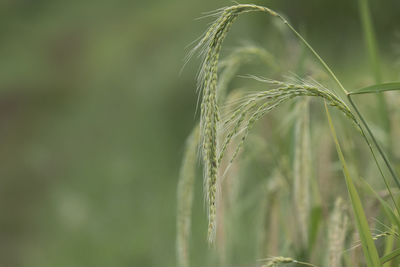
384, 157
328, 69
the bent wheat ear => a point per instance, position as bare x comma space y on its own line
210, 46
185, 198
256, 105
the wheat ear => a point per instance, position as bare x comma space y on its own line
185, 198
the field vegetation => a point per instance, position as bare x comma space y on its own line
297, 168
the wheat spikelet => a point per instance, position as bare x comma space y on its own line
256, 105
337, 233
185, 198
277, 261
302, 172
377, 237
270, 219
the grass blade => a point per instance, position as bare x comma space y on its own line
370, 252
377, 88
370, 40
389, 242
395, 253
373, 55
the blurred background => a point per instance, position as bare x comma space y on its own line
94, 114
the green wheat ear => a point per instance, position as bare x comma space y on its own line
254, 106
210, 46
185, 198
302, 169
337, 228
278, 261
230, 66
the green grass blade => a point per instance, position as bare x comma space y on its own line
315, 222
395, 253
370, 39
377, 88
389, 242
370, 252
373, 56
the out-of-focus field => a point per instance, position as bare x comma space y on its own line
94, 114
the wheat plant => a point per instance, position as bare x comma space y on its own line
230, 118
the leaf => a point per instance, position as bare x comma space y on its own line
315, 222
395, 253
377, 88
368, 245
389, 242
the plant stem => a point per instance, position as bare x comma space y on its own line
384, 157
373, 55
374, 156
394, 176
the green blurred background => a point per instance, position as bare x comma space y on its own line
94, 114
